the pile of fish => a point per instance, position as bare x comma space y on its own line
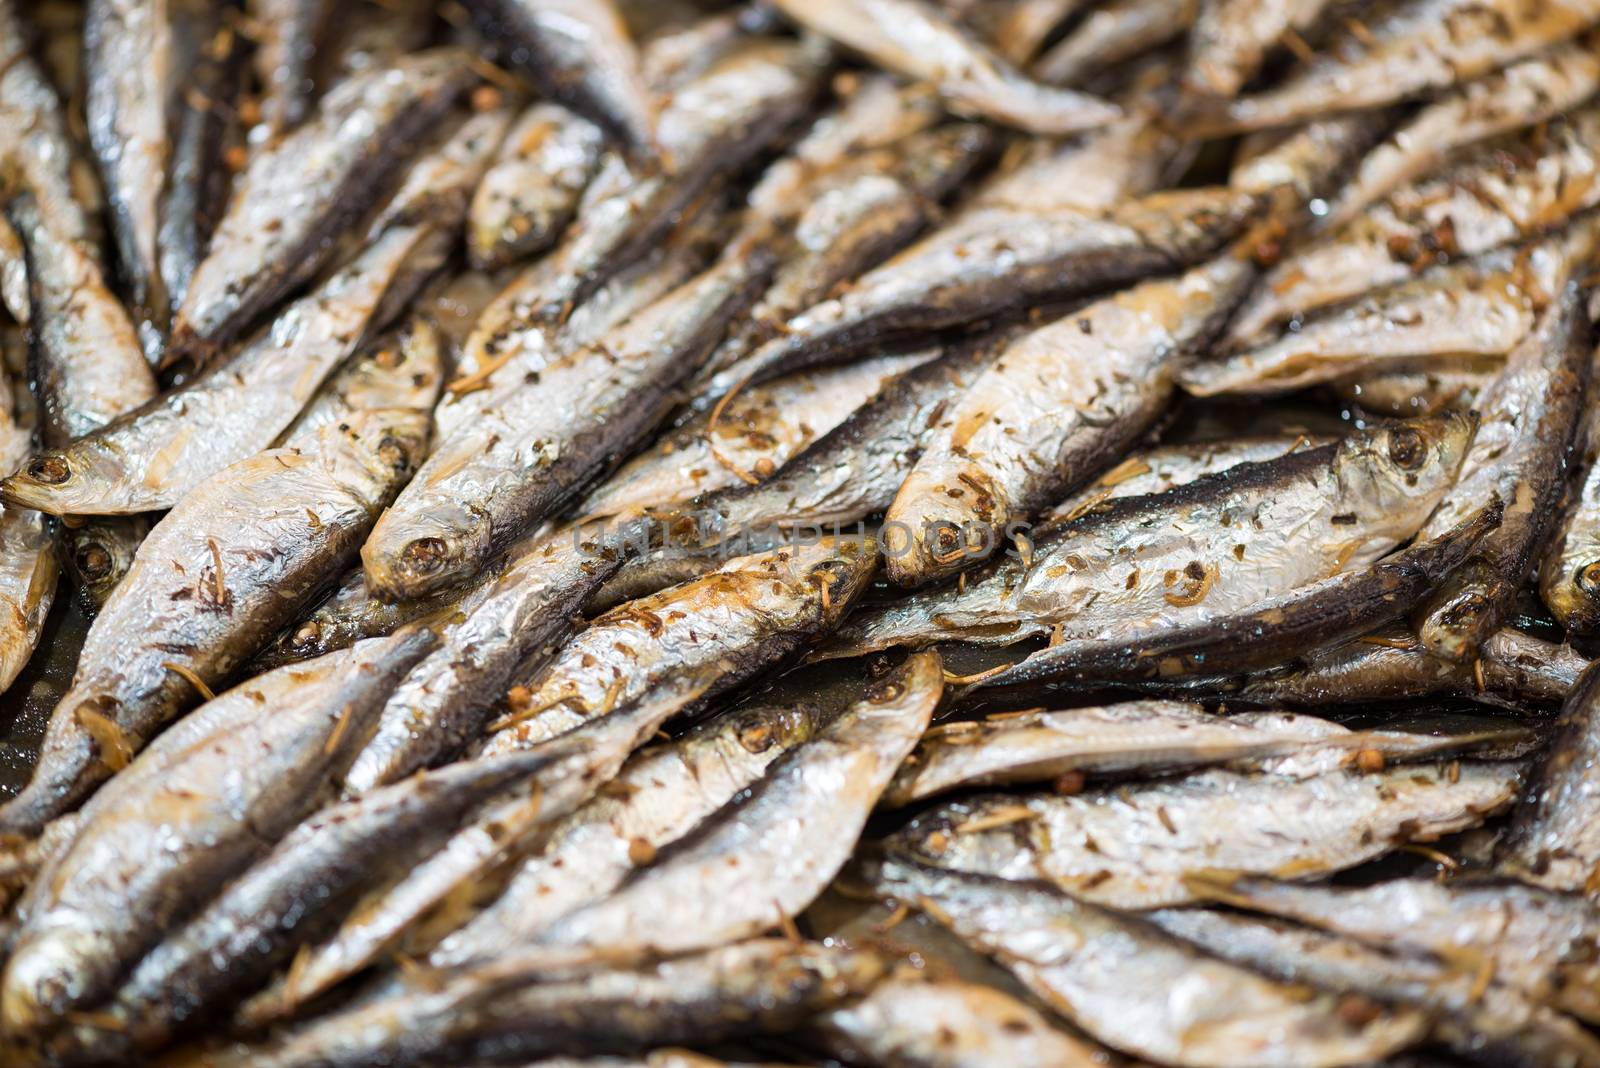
889, 533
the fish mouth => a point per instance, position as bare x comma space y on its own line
25, 492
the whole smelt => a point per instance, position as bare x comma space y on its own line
788, 835
913, 38
749, 614
35, 141
233, 562
997, 259
252, 764
1537, 941
84, 355
530, 193
1050, 414
131, 64
1552, 840
204, 123
1569, 576
1417, 47
1133, 553
1531, 91
1446, 318
1484, 1023
1530, 419
506, 1011
1490, 195
1145, 738
1275, 630
232, 944
1231, 38
470, 502
714, 123
658, 797
578, 52
28, 564
1135, 846
1115, 977
150, 458
948, 1023
269, 243
1110, 34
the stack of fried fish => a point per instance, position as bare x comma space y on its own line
893, 533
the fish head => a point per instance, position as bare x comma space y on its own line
85, 478
1401, 470
42, 979
840, 569
413, 554
760, 729
1575, 597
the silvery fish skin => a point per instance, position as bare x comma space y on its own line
1098, 566
531, 191
233, 562
1114, 976
1015, 28
1278, 629
290, 34
267, 244
995, 259
13, 273
469, 503
1514, 670
1490, 195
1529, 420
1400, 394
1112, 33
1143, 738
1048, 414
509, 345
745, 616
579, 53
1536, 941
253, 764
28, 564
38, 145
751, 438
1446, 317
1300, 166
1527, 92
1417, 47
402, 370
1134, 846
932, 1023
1569, 576
856, 217
83, 352
505, 1012
1487, 1024
522, 611
1231, 38
487, 840
714, 123
377, 36
230, 945
658, 797
912, 38
150, 458
203, 124
789, 834
1551, 841
129, 52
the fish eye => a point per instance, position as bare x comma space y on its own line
392, 451
93, 562
50, 470
425, 555
1407, 449
1589, 578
